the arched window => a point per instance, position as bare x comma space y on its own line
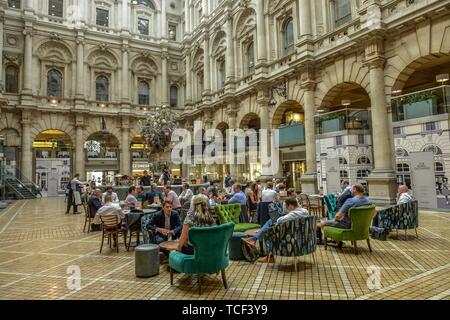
54, 83
144, 93
363, 160
147, 3
12, 79
174, 96
102, 88
342, 160
56, 8
432, 148
343, 174
400, 152
288, 36
251, 58
221, 74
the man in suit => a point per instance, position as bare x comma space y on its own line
165, 224
95, 202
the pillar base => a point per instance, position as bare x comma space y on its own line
382, 187
309, 183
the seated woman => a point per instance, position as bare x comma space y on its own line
199, 217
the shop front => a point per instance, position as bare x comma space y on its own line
52, 151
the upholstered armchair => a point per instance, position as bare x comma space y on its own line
231, 213
292, 239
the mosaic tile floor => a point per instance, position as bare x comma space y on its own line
40, 246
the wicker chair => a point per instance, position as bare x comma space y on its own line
111, 227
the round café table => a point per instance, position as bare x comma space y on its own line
169, 246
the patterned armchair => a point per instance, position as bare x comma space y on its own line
330, 202
292, 239
400, 217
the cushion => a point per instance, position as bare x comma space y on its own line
177, 260
242, 227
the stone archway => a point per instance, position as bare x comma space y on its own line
287, 111
250, 121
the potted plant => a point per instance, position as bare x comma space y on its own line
420, 105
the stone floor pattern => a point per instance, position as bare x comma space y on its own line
40, 245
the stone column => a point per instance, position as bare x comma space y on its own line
125, 74
382, 181
163, 20
79, 147
125, 165
187, 18
192, 19
232, 125
28, 63
305, 19
188, 79
229, 59
261, 32
27, 155
164, 79
80, 68
124, 16
264, 114
309, 179
1, 52
206, 66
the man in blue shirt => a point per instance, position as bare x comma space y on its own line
342, 219
239, 196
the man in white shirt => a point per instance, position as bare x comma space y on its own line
269, 195
402, 195
186, 195
113, 195
109, 209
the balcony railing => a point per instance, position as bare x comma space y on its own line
291, 135
343, 120
419, 104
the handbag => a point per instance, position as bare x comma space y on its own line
379, 233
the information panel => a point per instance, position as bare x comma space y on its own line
333, 176
423, 179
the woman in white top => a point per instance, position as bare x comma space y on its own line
269, 195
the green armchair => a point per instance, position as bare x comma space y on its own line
210, 253
230, 213
361, 218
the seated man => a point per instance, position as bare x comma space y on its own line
186, 194
345, 195
113, 195
153, 196
164, 224
294, 213
342, 219
95, 202
172, 197
109, 209
402, 195
140, 195
291, 194
238, 196
131, 200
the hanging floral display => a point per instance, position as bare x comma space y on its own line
157, 129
